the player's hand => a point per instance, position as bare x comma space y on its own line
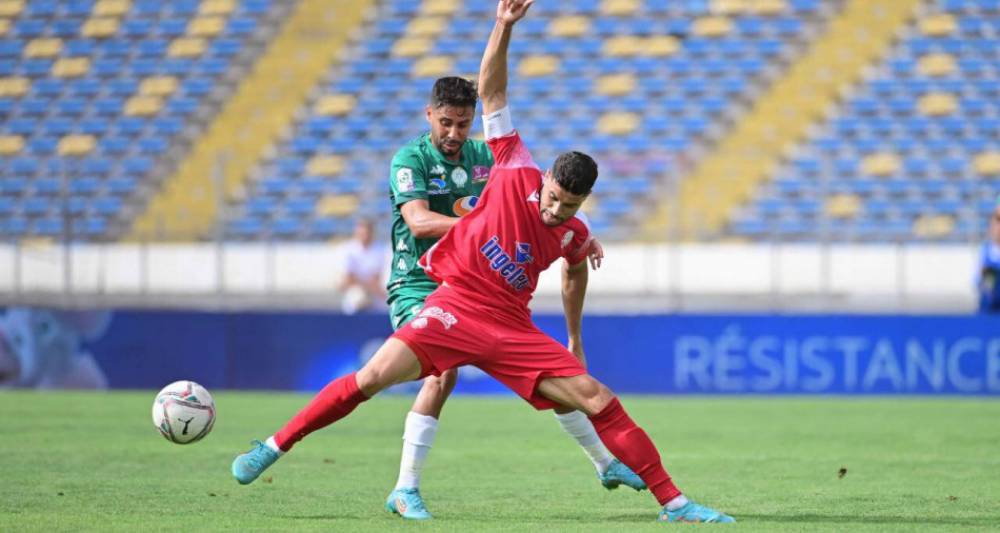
595, 254
511, 11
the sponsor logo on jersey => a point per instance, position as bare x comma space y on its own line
480, 173
501, 263
459, 176
438, 187
445, 318
464, 206
523, 254
404, 179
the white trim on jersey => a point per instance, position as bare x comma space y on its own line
498, 124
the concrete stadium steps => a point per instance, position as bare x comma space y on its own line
750, 152
250, 123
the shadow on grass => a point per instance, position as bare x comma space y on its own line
877, 519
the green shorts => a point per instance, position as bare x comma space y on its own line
404, 306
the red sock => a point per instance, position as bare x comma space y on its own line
334, 402
630, 444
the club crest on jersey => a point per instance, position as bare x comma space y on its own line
480, 173
502, 263
567, 238
445, 318
459, 176
464, 206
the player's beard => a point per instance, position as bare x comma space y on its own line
552, 218
449, 150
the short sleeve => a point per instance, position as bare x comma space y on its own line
510, 152
407, 179
579, 245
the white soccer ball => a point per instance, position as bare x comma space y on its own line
183, 412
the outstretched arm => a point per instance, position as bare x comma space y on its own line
493, 69
574, 289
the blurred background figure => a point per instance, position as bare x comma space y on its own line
41, 348
989, 266
363, 286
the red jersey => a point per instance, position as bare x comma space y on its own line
502, 245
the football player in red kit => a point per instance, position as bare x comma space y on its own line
488, 265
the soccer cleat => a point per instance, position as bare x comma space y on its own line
248, 466
408, 504
619, 474
692, 512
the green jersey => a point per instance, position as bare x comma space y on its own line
420, 172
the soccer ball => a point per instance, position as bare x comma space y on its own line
183, 412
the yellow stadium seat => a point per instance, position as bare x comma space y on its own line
325, 165
618, 123
426, 26
143, 105
439, 7
937, 64
712, 26
539, 65
76, 145
158, 86
569, 26
71, 67
11, 8
411, 47
433, 67
337, 205
987, 164
11, 144
937, 104
100, 27
4, 26
206, 26
939, 25
43, 47
881, 164
334, 104
619, 8
187, 47
111, 8
616, 84
727, 7
933, 226
14, 86
843, 206
623, 45
216, 7
767, 7
661, 45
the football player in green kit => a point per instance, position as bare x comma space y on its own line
435, 179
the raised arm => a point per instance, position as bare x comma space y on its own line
493, 69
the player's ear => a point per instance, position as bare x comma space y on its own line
430, 113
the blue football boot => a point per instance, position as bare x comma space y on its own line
619, 474
408, 504
693, 513
248, 466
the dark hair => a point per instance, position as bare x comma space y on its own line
453, 92
575, 172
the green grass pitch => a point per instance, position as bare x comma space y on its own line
94, 462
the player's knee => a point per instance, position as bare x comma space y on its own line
372, 380
594, 397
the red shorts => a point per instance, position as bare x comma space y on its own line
454, 330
